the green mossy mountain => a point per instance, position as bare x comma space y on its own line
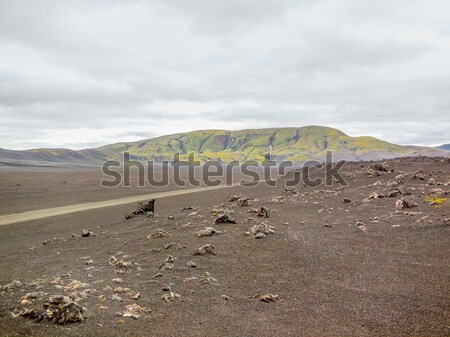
295, 144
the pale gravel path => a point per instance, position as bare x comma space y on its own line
61, 210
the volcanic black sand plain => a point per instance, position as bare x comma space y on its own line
367, 259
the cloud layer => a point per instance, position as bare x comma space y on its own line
85, 73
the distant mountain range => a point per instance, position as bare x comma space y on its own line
444, 147
296, 144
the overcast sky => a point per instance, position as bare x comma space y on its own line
84, 73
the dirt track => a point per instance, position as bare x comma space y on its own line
54, 211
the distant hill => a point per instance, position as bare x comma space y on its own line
296, 144
444, 147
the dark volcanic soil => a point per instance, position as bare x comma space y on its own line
386, 276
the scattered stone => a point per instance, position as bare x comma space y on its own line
191, 264
399, 178
224, 218
147, 208
116, 298
159, 233
402, 204
268, 298
362, 227
372, 173
74, 285
208, 279
235, 197
413, 214
217, 211
57, 281
432, 181
225, 298
278, 199
263, 212
123, 264
261, 230
243, 202
347, 200
117, 280
13, 285
289, 191
438, 191
31, 296
134, 310
189, 279
25, 302
177, 245
207, 231
205, 249
62, 310
50, 241
392, 183
382, 167
376, 195
418, 175
167, 266
170, 297
119, 290
170, 259
167, 287
394, 193
32, 313
86, 233
404, 190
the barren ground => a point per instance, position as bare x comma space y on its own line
386, 277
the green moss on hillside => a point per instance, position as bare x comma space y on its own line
296, 144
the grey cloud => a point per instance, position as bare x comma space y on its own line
232, 16
373, 68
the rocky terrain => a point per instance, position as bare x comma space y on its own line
365, 259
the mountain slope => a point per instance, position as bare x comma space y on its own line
296, 144
444, 147
65, 156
